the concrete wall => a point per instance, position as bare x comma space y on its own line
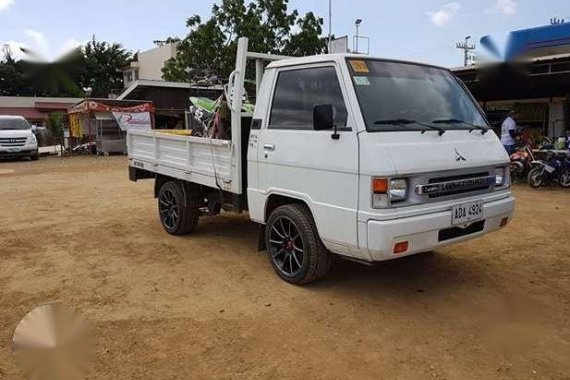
152, 61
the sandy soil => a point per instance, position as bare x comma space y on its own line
209, 305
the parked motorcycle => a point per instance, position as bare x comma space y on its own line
555, 167
521, 163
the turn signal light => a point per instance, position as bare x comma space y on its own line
401, 247
380, 185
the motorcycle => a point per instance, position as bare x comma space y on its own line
555, 167
521, 163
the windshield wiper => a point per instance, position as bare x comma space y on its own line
440, 131
459, 121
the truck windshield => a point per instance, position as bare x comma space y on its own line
397, 96
13, 124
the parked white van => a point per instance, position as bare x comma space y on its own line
17, 138
370, 159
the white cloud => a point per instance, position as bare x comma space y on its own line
12, 47
69, 45
445, 14
39, 44
507, 7
5, 4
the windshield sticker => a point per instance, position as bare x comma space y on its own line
359, 66
361, 81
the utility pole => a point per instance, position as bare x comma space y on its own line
466, 47
330, 26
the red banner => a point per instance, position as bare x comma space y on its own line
95, 106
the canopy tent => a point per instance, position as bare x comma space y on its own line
107, 120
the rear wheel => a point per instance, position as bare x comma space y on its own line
294, 248
178, 209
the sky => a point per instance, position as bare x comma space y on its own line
419, 30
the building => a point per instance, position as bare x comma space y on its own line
533, 80
148, 64
171, 99
35, 109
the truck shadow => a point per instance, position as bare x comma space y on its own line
426, 272
431, 271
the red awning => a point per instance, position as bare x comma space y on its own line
89, 105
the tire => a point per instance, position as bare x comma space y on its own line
517, 170
34, 157
294, 247
536, 177
177, 209
564, 178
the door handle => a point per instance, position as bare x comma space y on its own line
269, 147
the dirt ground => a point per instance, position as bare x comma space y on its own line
209, 305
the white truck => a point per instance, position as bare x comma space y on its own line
369, 159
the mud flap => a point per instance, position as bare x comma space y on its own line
261, 241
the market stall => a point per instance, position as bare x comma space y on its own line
103, 123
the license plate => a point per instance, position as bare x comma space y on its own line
14, 150
466, 212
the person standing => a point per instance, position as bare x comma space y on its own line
509, 133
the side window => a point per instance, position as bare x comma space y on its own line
298, 91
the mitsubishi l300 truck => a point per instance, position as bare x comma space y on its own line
369, 159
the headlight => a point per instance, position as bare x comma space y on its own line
385, 192
398, 190
32, 139
500, 176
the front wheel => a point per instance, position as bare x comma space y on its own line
294, 248
178, 211
564, 178
535, 177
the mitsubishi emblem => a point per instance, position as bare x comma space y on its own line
459, 157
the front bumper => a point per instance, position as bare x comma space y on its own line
429, 231
25, 151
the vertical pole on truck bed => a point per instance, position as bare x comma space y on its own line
236, 93
258, 75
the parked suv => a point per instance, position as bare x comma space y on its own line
17, 138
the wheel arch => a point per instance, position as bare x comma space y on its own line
189, 188
275, 200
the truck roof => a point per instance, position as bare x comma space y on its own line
11, 117
339, 58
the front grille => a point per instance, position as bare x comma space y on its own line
11, 142
455, 232
456, 184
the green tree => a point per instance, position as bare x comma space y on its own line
95, 65
210, 46
101, 61
12, 81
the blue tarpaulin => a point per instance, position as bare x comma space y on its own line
538, 41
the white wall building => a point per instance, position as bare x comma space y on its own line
149, 64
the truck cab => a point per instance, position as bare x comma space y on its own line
370, 159
407, 165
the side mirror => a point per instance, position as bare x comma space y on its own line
323, 117
34, 128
